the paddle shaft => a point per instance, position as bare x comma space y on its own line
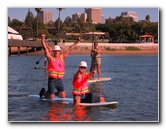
92, 49
40, 59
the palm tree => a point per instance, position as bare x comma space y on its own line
38, 11
60, 9
147, 18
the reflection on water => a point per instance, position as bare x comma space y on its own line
61, 112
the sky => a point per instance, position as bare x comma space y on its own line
20, 13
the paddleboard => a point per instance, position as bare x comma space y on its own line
56, 98
99, 80
39, 67
99, 103
70, 100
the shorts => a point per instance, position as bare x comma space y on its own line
89, 97
96, 60
53, 84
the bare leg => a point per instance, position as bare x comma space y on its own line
77, 100
102, 99
98, 70
62, 94
51, 96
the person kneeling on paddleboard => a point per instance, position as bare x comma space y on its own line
56, 70
80, 92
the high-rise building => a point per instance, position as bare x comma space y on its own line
130, 14
46, 16
102, 19
83, 16
94, 14
76, 16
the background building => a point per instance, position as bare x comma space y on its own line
76, 16
102, 19
109, 20
46, 16
94, 14
83, 16
130, 14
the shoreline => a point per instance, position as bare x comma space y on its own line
108, 49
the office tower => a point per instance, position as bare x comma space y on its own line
83, 16
94, 14
102, 19
130, 14
76, 16
46, 16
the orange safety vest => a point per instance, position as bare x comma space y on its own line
56, 67
80, 84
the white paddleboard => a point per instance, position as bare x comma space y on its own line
70, 100
56, 98
39, 67
99, 80
99, 103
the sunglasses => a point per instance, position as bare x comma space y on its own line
82, 67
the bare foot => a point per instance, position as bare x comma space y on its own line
102, 99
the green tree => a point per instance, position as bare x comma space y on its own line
28, 22
9, 21
147, 18
59, 9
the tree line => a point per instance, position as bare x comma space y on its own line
119, 30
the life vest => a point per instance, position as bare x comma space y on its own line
56, 67
80, 84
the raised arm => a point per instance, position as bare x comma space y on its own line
71, 47
45, 47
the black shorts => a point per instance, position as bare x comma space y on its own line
89, 97
55, 84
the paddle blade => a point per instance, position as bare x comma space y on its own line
37, 62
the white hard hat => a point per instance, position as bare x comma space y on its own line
56, 47
83, 64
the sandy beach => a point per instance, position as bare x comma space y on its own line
106, 48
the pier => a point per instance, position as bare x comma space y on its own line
31, 46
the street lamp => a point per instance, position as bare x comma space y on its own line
60, 9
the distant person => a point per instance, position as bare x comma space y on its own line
80, 86
56, 70
96, 59
56, 43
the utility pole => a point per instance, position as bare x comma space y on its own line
59, 9
30, 25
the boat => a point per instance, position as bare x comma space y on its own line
13, 34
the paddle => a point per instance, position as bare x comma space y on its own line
40, 59
92, 48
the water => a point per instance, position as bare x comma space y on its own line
134, 85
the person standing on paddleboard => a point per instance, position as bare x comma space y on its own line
56, 70
96, 59
80, 86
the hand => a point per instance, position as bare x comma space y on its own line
78, 39
93, 71
43, 36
